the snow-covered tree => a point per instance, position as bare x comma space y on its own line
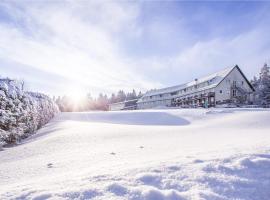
262, 86
102, 102
131, 95
22, 113
121, 96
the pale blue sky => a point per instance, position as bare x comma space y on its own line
66, 47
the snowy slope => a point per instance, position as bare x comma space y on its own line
155, 154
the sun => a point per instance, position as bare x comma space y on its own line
76, 94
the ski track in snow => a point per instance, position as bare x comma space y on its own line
152, 155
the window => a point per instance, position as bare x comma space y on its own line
234, 83
212, 80
220, 91
234, 93
242, 82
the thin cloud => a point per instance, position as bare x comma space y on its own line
107, 46
74, 47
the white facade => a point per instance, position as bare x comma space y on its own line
117, 106
232, 85
227, 86
124, 105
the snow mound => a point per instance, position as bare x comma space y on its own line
117, 189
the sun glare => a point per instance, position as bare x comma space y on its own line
77, 95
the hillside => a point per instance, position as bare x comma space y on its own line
156, 154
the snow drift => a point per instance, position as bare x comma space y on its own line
22, 113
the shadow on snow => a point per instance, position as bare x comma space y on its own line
129, 118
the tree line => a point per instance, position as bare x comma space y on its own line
67, 104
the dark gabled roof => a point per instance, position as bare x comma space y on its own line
245, 78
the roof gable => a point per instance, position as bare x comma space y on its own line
243, 75
245, 78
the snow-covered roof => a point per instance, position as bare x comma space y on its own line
213, 80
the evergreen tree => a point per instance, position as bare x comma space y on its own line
121, 96
133, 94
113, 98
140, 95
102, 102
264, 85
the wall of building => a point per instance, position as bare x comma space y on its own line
154, 103
117, 106
203, 94
223, 91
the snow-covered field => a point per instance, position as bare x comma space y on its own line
154, 155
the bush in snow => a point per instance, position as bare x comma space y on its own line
22, 113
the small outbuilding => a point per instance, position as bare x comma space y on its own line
124, 105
